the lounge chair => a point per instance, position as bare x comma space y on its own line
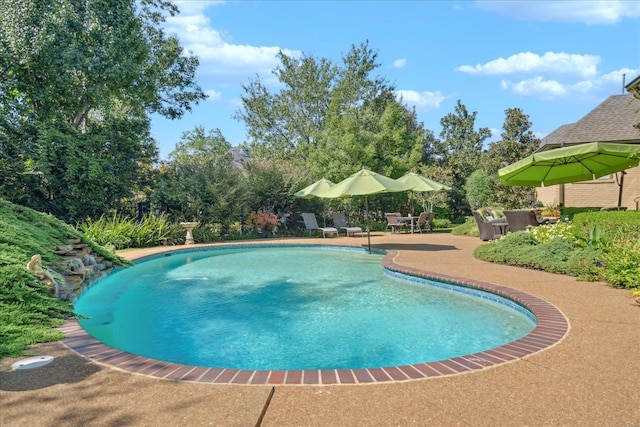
340, 222
490, 229
311, 224
521, 219
425, 220
394, 223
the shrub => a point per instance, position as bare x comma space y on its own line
547, 232
441, 223
207, 233
558, 255
477, 188
261, 220
622, 261
469, 228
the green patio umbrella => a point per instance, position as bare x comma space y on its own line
314, 189
364, 183
421, 183
311, 191
580, 162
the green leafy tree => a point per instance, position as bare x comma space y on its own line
272, 185
477, 189
457, 153
86, 75
329, 120
201, 182
517, 142
284, 124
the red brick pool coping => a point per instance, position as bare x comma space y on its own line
551, 327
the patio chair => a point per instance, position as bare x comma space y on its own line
521, 219
340, 222
394, 223
425, 220
311, 224
490, 229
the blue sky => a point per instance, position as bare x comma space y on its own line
555, 60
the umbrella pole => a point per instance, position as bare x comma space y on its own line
366, 212
620, 185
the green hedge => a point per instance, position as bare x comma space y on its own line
611, 225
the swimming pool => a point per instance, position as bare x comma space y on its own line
292, 308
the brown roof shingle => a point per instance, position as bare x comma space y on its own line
611, 121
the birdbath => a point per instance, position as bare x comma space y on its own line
189, 226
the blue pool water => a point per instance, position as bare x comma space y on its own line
289, 307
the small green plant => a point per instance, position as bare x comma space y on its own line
594, 236
550, 211
121, 232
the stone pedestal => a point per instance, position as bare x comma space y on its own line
189, 226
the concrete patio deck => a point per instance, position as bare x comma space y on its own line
590, 378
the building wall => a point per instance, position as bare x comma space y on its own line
600, 193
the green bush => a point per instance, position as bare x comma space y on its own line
559, 255
595, 246
469, 228
622, 261
568, 212
441, 223
547, 232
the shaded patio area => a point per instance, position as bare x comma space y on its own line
587, 378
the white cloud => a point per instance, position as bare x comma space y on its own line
547, 89
231, 63
421, 100
528, 62
400, 63
537, 87
213, 95
586, 12
190, 7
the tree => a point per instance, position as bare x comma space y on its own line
517, 142
85, 71
330, 120
477, 189
283, 124
289, 123
200, 182
196, 146
458, 152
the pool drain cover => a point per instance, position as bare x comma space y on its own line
31, 362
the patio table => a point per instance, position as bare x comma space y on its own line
500, 228
410, 220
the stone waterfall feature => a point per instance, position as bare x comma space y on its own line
78, 267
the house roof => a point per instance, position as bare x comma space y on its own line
611, 121
634, 87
